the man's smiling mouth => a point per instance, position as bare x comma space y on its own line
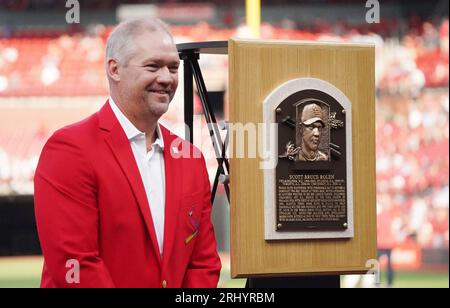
162, 92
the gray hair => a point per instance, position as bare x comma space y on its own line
120, 43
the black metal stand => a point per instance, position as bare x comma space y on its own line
190, 54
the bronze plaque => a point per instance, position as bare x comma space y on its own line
311, 179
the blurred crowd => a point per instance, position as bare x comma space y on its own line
61, 63
412, 108
412, 169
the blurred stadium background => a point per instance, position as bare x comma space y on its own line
51, 74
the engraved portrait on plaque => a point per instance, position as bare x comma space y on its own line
311, 126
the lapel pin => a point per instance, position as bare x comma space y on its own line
190, 237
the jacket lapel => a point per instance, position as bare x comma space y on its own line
173, 173
121, 149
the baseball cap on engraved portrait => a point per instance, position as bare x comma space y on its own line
312, 113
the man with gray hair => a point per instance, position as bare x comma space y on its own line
115, 206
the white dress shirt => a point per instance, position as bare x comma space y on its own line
151, 168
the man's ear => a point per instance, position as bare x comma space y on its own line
112, 68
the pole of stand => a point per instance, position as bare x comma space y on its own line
189, 94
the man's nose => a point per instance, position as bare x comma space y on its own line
164, 75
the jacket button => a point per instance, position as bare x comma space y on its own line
164, 284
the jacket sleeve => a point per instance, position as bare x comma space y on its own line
67, 215
204, 267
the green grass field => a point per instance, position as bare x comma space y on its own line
420, 280
25, 272
20, 272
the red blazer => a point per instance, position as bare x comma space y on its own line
91, 207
